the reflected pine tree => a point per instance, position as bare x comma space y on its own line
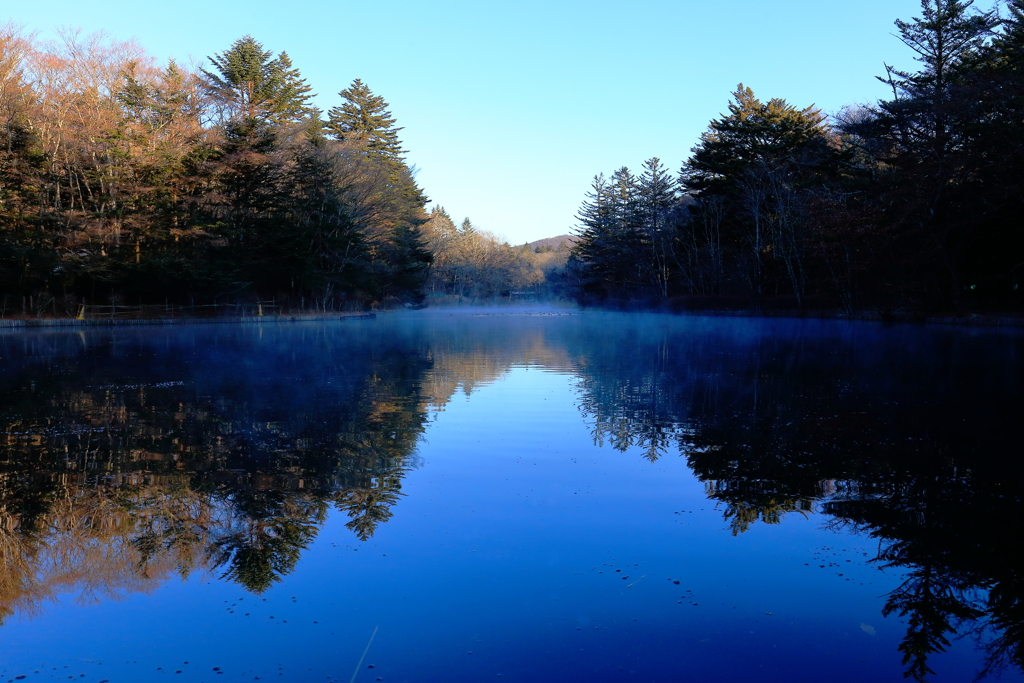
109, 485
270, 530
1006, 622
936, 604
874, 443
956, 535
217, 452
367, 508
223, 459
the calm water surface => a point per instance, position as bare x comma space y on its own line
514, 497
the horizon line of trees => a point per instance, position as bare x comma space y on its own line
473, 264
123, 181
914, 202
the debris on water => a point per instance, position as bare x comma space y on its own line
870, 630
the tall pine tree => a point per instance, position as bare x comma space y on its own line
364, 123
923, 136
249, 84
752, 132
657, 197
364, 117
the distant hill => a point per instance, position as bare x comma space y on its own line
552, 243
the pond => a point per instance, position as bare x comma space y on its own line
512, 496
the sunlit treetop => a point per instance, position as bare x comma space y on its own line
248, 83
753, 131
363, 116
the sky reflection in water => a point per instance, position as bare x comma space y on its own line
544, 497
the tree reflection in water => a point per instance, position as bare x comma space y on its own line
109, 486
856, 429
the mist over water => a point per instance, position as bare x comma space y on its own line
534, 493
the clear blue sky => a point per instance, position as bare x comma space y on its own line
510, 109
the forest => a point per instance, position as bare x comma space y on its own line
123, 181
912, 203
126, 182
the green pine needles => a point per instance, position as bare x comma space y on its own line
364, 117
249, 83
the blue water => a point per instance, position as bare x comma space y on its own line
596, 497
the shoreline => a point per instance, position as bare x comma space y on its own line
966, 320
33, 323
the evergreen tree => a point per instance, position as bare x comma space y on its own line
324, 253
750, 174
625, 200
923, 137
364, 117
250, 84
595, 249
993, 155
925, 116
657, 198
595, 215
364, 124
292, 101
410, 263
657, 193
26, 253
613, 257
753, 132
